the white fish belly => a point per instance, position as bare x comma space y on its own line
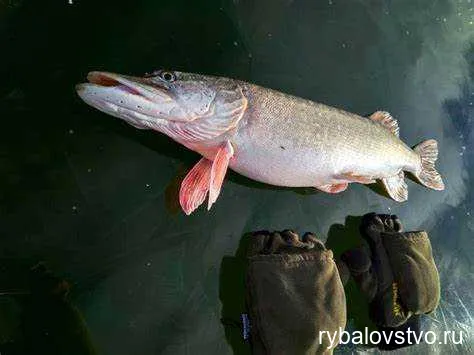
304, 167
280, 167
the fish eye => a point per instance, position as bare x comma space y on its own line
168, 76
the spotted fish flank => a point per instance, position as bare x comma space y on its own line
263, 134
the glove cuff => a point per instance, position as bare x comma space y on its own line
291, 297
414, 270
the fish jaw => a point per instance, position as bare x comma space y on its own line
132, 99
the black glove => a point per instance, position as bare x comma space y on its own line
293, 292
395, 270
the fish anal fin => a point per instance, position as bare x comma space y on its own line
333, 188
218, 171
353, 177
396, 187
195, 186
386, 120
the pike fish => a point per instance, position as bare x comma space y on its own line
263, 134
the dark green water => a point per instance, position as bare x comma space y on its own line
96, 198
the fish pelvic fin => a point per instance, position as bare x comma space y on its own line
427, 174
333, 188
205, 177
386, 120
396, 187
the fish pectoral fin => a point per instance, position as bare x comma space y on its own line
206, 176
333, 188
386, 120
353, 177
195, 186
218, 171
396, 187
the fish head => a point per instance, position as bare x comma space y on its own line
167, 101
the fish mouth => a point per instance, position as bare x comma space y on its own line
128, 84
136, 100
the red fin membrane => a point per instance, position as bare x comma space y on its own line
206, 176
219, 169
195, 186
352, 177
334, 188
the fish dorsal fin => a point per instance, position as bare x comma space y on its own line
386, 120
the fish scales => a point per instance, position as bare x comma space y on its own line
304, 143
264, 134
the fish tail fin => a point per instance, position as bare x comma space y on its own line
396, 186
427, 174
